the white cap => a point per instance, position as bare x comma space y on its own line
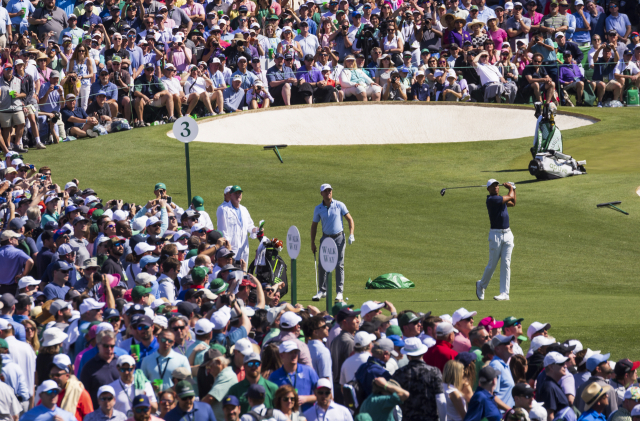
420, 73
70, 183
62, 360
46, 386
126, 359
197, 227
362, 338
180, 246
176, 39
4, 324
577, 343
220, 318
49, 199
228, 188
286, 346
578, 3
554, 358
286, 28
203, 327
138, 224
326, 68
161, 321
289, 320
536, 327
445, 328
106, 389
451, 73
414, 347
151, 221
120, 215
255, 25
53, 336
588, 355
370, 306
324, 187
635, 411
144, 278
538, 413
461, 314
216, 60
90, 304
244, 347
540, 341
492, 181
90, 199
324, 382
104, 326
25, 281
559, 34
141, 248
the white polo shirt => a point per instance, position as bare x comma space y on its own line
126, 392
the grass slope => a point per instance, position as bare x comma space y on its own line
573, 266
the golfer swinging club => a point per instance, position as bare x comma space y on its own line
331, 212
500, 239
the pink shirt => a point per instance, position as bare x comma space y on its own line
194, 9
499, 36
461, 343
180, 59
536, 19
76, 362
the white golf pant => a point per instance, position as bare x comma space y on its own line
500, 248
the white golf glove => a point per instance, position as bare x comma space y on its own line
512, 184
351, 239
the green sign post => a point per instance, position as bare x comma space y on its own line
185, 129
293, 248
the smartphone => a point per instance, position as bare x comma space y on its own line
126, 207
51, 187
61, 195
169, 199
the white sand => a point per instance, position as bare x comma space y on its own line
375, 124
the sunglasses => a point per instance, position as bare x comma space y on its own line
167, 402
289, 398
52, 392
253, 364
57, 375
178, 328
118, 244
141, 410
537, 61
126, 370
111, 226
107, 346
323, 392
114, 320
166, 341
65, 271
144, 327
107, 399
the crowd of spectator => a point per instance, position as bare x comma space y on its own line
74, 69
113, 311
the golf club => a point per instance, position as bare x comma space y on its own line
451, 188
315, 266
610, 205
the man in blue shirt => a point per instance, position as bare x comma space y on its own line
89, 17
482, 404
58, 288
503, 351
500, 239
331, 212
617, 21
316, 329
13, 261
375, 366
19, 11
48, 410
302, 377
596, 400
9, 307
103, 84
582, 34
280, 78
187, 409
550, 393
76, 121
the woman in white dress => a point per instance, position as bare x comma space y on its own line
453, 382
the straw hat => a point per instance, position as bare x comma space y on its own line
474, 23
443, 19
43, 56
593, 393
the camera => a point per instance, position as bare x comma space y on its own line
345, 27
116, 76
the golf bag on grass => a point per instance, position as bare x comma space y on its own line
549, 162
270, 269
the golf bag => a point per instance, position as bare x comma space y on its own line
549, 162
271, 269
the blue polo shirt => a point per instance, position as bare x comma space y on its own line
551, 395
110, 89
331, 216
200, 412
505, 381
592, 415
547, 55
12, 261
92, 353
619, 23
18, 328
498, 214
304, 380
369, 371
582, 36
482, 405
53, 291
42, 413
15, 6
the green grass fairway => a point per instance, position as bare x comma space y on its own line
573, 265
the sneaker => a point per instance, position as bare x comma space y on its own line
599, 104
318, 296
91, 133
171, 119
40, 146
339, 297
18, 149
70, 138
502, 297
209, 114
479, 291
465, 98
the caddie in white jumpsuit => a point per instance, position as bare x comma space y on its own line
500, 239
236, 224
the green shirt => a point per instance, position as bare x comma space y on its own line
239, 390
220, 389
478, 353
380, 407
48, 217
621, 415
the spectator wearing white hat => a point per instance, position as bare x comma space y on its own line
21, 353
106, 411
300, 376
503, 350
196, 351
371, 309
129, 385
463, 322
325, 408
550, 393
423, 382
290, 331
48, 392
438, 355
362, 353
73, 397
537, 329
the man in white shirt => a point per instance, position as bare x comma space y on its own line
21, 354
325, 409
308, 42
236, 223
174, 87
195, 87
125, 390
627, 64
362, 352
492, 81
225, 201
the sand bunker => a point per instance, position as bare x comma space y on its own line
375, 124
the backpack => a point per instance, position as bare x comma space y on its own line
353, 395
258, 417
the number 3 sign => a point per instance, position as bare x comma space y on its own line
185, 129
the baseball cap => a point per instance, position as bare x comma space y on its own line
408, 318
595, 360
536, 327
501, 340
522, 389
624, 366
287, 346
230, 400
487, 374
385, 344
554, 358
370, 306
462, 314
325, 186
361, 338
491, 182
343, 314
510, 321
141, 401
445, 328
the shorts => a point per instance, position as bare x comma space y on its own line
31, 109
368, 89
3, 41
8, 120
571, 85
157, 103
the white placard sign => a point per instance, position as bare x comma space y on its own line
185, 129
293, 242
328, 254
